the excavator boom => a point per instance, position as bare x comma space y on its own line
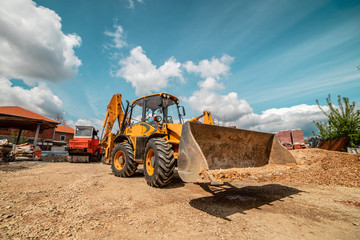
113, 113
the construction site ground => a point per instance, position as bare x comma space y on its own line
317, 199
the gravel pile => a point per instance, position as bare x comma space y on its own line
55, 158
315, 166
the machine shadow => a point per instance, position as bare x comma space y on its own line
228, 199
176, 182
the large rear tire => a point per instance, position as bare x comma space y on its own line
122, 160
159, 162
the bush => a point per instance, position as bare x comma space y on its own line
343, 121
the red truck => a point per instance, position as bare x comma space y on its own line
85, 145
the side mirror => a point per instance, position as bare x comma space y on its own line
182, 110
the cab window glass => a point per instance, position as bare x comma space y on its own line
172, 114
136, 114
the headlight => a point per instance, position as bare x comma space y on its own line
157, 119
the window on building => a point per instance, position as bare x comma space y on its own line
62, 138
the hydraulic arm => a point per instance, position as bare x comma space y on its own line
207, 118
113, 113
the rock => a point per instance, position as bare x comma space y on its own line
32, 235
55, 158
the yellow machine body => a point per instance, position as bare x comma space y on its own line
195, 147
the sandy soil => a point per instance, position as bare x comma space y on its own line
42, 200
315, 166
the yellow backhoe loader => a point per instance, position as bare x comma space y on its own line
152, 132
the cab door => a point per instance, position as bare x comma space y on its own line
137, 116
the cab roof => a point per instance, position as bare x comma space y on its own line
155, 94
85, 127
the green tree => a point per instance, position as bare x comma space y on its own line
343, 121
14, 136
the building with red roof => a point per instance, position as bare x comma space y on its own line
17, 122
13, 116
64, 133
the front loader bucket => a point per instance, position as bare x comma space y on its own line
206, 147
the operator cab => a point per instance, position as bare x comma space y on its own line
85, 132
157, 108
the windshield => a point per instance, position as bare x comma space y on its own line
83, 132
171, 112
136, 114
156, 105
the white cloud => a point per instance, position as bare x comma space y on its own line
32, 45
39, 99
118, 37
96, 123
229, 110
132, 3
146, 77
215, 68
210, 84
277, 119
211, 71
228, 107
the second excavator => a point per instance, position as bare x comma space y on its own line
152, 132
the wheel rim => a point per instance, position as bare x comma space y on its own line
119, 160
150, 158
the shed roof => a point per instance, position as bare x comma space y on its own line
22, 112
64, 129
18, 117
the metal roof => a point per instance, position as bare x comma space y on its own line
155, 94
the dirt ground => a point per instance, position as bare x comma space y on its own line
44, 200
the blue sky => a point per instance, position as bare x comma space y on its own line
258, 65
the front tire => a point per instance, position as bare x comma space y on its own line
122, 160
159, 162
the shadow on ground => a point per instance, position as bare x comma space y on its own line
176, 182
228, 199
11, 168
17, 165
